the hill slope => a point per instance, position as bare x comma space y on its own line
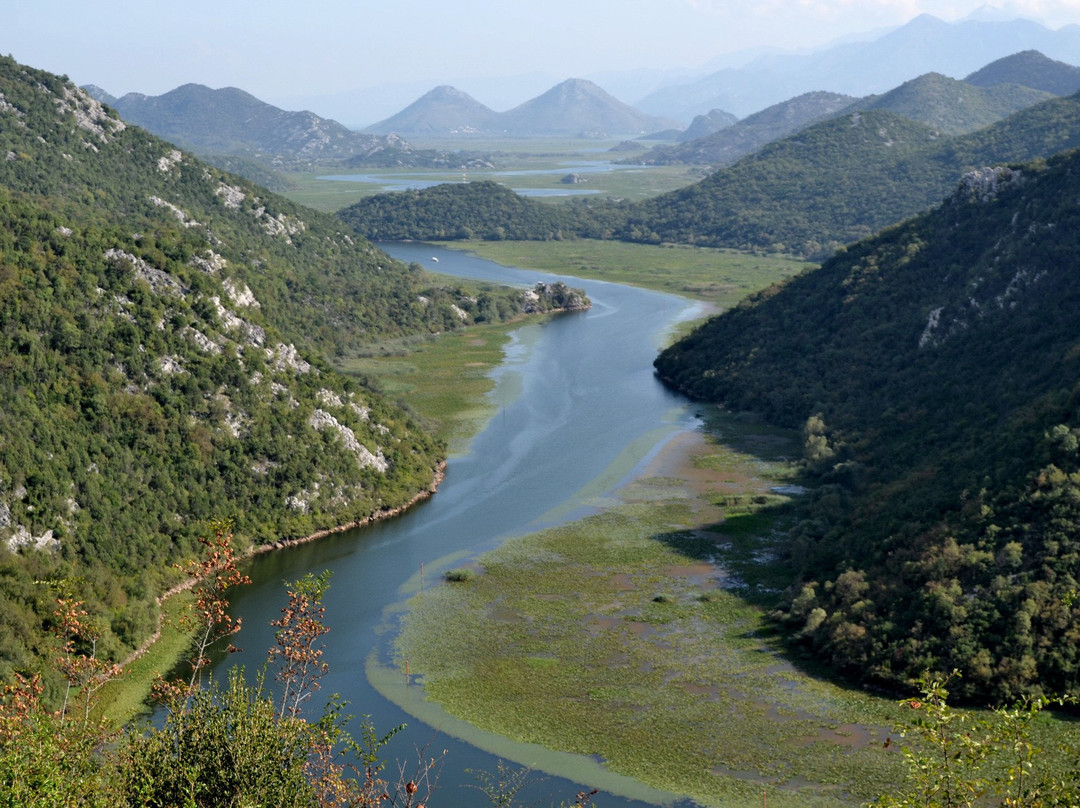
229, 121
1029, 69
951, 106
162, 325
840, 180
744, 137
934, 369
831, 183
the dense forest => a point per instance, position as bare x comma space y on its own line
807, 194
933, 370
167, 336
451, 212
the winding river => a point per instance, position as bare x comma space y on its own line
578, 409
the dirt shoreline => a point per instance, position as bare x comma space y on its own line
283, 544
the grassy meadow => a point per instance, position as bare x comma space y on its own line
721, 277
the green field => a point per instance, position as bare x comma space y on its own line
534, 155
722, 277
640, 638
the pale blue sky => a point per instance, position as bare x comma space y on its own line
282, 49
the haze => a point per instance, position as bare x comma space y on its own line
303, 55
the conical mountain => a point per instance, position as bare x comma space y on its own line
1030, 69
577, 107
444, 110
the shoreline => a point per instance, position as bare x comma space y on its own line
438, 475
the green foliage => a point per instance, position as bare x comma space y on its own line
161, 326
941, 530
454, 211
460, 575
828, 185
226, 746
958, 759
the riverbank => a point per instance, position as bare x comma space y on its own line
639, 636
124, 698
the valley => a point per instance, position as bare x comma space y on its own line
718, 465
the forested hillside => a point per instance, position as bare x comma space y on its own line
454, 211
843, 179
165, 334
934, 370
830, 184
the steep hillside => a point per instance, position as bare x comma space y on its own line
441, 111
1029, 69
831, 183
232, 122
162, 328
840, 180
951, 106
934, 369
744, 137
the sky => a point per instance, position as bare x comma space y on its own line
281, 50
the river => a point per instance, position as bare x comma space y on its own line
578, 409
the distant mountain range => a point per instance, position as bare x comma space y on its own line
949, 105
573, 108
924, 45
728, 144
229, 121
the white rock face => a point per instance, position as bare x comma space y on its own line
285, 356
161, 282
230, 196
89, 114
984, 184
240, 294
180, 215
165, 164
210, 262
321, 419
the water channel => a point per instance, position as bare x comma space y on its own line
577, 409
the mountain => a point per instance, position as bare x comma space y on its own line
441, 111
165, 334
1029, 69
232, 122
951, 106
744, 137
575, 108
839, 180
933, 369
578, 107
704, 125
924, 45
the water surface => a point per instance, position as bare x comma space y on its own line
578, 407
